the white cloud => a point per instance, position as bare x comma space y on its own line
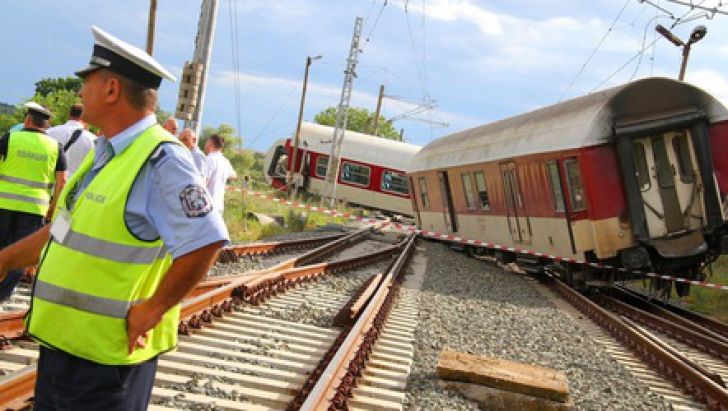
461, 10
711, 81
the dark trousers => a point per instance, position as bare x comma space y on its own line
66, 382
15, 225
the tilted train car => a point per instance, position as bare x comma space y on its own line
371, 171
633, 176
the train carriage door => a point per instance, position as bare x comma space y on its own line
448, 210
668, 182
518, 221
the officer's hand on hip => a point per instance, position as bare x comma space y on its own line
139, 321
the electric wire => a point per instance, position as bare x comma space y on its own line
374, 26
233, 8
583, 67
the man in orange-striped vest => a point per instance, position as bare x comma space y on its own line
32, 165
133, 234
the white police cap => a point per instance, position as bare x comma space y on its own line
123, 58
38, 109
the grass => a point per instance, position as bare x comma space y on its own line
242, 229
709, 301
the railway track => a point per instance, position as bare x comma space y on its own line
235, 355
672, 367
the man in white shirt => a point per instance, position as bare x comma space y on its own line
219, 170
73, 137
189, 139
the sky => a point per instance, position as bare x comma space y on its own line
446, 65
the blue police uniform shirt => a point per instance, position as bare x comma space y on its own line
168, 198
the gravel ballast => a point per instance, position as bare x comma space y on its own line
475, 307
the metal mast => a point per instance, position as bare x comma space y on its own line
342, 114
197, 70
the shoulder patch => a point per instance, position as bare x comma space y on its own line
158, 154
195, 201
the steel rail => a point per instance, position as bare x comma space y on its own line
336, 380
197, 310
701, 340
698, 385
233, 252
15, 388
686, 317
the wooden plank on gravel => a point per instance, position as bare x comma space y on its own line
496, 400
159, 394
505, 375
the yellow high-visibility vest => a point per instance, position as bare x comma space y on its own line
88, 280
28, 172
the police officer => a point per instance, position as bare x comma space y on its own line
134, 232
32, 164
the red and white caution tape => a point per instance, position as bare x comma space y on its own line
452, 238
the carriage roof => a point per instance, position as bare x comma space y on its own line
580, 122
360, 147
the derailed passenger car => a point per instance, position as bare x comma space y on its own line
633, 176
371, 170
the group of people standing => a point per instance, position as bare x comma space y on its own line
214, 168
117, 246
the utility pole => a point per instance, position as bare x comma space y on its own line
342, 114
152, 23
203, 51
378, 110
293, 170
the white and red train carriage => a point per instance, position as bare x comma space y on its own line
634, 176
371, 171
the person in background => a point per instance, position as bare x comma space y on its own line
170, 125
32, 164
189, 139
133, 234
219, 170
74, 138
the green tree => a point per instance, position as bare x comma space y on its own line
232, 140
57, 101
359, 120
47, 86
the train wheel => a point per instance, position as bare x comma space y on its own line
660, 289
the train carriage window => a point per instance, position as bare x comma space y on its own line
482, 190
394, 182
643, 173
576, 188
322, 164
680, 144
468, 190
556, 189
425, 199
355, 174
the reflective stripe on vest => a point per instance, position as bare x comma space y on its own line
25, 199
29, 183
112, 251
82, 301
